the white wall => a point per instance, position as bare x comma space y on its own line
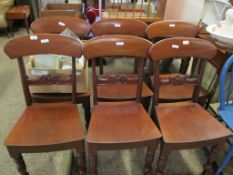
185, 10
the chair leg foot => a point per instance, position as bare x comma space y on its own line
212, 156
80, 159
20, 164
149, 159
164, 153
93, 165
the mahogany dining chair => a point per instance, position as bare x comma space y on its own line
45, 127
125, 124
184, 125
116, 26
56, 25
168, 29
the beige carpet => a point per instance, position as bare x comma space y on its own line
125, 162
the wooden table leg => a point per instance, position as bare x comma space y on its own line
27, 25
10, 27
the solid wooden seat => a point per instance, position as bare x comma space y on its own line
124, 124
188, 123
47, 126
121, 91
184, 125
34, 126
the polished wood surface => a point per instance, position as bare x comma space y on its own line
119, 26
109, 45
128, 117
24, 46
55, 25
18, 12
175, 47
125, 124
190, 122
165, 29
45, 127
118, 92
58, 24
185, 125
21, 12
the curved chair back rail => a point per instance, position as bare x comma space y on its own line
58, 24
182, 47
43, 44
119, 26
116, 45
165, 29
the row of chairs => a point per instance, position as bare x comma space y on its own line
120, 125
154, 32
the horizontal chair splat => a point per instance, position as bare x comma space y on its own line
117, 78
179, 80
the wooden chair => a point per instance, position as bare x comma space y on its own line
119, 125
55, 25
45, 127
58, 24
121, 27
168, 29
184, 125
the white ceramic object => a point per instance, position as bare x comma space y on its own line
222, 32
214, 11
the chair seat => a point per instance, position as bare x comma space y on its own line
178, 93
187, 123
47, 124
227, 115
125, 123
121, 91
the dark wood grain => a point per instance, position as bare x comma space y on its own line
58, 24
197, 48
119, 125
170, 28
57, 44
184, 125
47, 126
103, 46
119, 27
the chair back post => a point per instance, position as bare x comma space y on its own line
74, 88
93, 63
222, 85
140, 80
181, 47
24, 80
114, 46
20, 47
197, 88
